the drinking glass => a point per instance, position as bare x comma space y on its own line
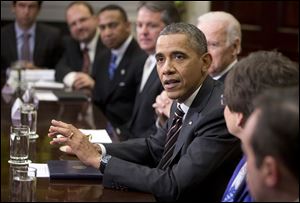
29, 117
19, 145
23, 185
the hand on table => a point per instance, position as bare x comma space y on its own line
78, 143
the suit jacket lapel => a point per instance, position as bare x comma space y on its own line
140, 95
38, 45
13, 43
193, 114
150, 80
99, 49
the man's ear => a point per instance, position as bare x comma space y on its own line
207, 60
269, 169
236, 46
241, 121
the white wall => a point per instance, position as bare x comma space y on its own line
195, 9
53, 11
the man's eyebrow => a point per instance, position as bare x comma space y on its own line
178, 52
158, 54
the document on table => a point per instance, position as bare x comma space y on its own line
45, 95
48, 84
97, 136
42, 170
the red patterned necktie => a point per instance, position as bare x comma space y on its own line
172, 136
86, 60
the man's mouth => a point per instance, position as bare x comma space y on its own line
171, 84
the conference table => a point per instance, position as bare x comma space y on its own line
82, 114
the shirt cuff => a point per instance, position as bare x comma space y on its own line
69, 79
103, 149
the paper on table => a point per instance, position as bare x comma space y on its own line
45, 95
48, 84
42, 170
40, 74
97, 136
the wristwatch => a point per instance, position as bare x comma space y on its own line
104, 162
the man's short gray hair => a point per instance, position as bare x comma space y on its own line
233, 27
169, 13
195, 36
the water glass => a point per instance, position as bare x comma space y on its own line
29, 117
23, 185
19, 144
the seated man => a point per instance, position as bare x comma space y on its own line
271, 145
76, 67
149, 13
37, 44
192, 156
224, 37
119, 67
251, 76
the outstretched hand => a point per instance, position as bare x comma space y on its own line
76, 140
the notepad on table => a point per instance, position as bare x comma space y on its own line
72, 169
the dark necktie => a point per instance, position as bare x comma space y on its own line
172, 136
25, 51
112, 66
86, 60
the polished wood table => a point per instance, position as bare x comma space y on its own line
81, 114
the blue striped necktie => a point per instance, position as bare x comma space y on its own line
112, 66
172, 136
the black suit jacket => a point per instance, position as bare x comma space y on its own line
116, 97
142, 121
202, 163
72, 58
47, 49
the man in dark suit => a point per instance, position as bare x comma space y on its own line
119, 67
77, 66
149, 12
224, 37
271, 145
223, 34
200, 160
247, 79
43, 44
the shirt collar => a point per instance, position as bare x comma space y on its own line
92, 45
188, 102
225, 71
152, 59
20, 31
121, 50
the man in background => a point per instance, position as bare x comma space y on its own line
152, 17
36, 44
76, 67
271, 145
119, 66
223, 33
251, 76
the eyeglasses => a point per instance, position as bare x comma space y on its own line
223, 100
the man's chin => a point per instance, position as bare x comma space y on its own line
173, 95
